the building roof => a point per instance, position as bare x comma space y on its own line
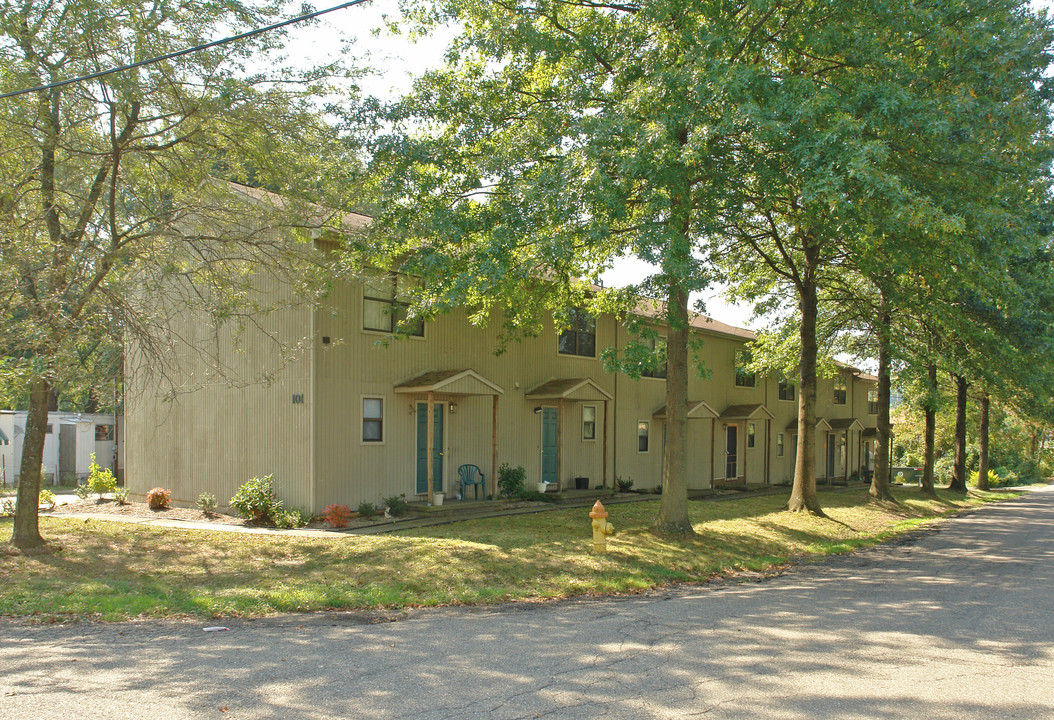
696, 409
647, 307
745, 412
569, 389
792, 426
845, 424
452, 382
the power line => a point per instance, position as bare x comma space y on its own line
187, 51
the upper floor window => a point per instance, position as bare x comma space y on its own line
658, 349
744, 376
872, 401
643, 429
839, 390
103, 432
580, 336
786, 390
385, 307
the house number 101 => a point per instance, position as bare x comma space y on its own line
298, 398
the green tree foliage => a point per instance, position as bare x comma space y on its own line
890, 149
116, 207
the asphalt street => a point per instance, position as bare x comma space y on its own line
954, 622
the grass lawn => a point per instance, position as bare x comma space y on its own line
115, 571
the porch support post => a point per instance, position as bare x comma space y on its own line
604, 482
742, 469
431, 443
713, 439
559, 444
494, 449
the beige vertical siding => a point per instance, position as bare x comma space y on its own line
220, 430
215, 436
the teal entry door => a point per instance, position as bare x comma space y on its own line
422, 449
549, 444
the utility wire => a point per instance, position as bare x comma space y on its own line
181, 53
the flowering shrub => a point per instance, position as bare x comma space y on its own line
159, 498
336, 516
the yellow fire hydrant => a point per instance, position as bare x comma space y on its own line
601, 527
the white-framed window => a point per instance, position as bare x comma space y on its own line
840, 390
372, 420
872, 401
384, 305
589, 422
779, 444
643, 430
786, 390
580, 335
103, 432
49, 430
752, 431
744, 376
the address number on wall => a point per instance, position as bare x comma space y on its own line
298, 398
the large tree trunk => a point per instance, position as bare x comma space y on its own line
982, 444
880, 479
26, 532
958, 483
673, 507
803, 493
931, 434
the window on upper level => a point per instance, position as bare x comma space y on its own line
658, 348
385, 307
839, 390
580, 335
744, 376
786, 390
103, 432
872, 401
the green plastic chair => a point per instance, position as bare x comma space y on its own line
471, 475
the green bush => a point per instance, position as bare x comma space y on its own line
256, 500
82, 491
120, 494
396, 505
1029, 472
47, 498
994, 480
512, 482
7, 506
100, 479
292, 518
207, 503
366, 510
623, 484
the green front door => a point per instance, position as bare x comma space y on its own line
549, 445
422, 449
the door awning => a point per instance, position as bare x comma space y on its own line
697, 409
575, 389
745, 412
450, 382
840, 424
821, 424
